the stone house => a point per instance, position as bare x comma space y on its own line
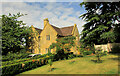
43, 38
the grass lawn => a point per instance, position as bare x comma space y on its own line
81, 65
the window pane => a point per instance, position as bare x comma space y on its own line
47, 37
46, 50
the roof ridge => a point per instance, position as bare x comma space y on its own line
54, 26
64, 31
66, 27
37, 28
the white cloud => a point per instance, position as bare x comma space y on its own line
1, 8
41, 0
57, 14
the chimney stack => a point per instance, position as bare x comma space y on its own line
46, 21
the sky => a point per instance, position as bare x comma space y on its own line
59, 14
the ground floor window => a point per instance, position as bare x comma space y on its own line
48, 50
39, 51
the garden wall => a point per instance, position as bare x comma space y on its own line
108, 47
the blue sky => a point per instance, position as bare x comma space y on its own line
60, 14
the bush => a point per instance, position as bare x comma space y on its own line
87, 52
71, 56
14, 56
115, 49
16, 68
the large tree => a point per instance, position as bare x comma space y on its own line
101, 26
13, 33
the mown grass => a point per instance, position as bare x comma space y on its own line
81, 65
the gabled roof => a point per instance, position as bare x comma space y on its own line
57, 30
64, 31
39, 30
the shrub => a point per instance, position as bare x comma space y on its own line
16, 68
115, 49
99, 54
87, 52
14, 56
71, 56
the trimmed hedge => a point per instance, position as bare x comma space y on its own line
14, 56
24, 66
23, 60
15, 61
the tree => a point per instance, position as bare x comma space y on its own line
13, 33
101, 24
63, 45
50, 63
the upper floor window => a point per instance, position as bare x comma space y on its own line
39, 37
47, 37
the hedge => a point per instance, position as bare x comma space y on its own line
23, 60
14, 56
24, 66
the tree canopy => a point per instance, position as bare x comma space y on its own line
13, 33
102, 22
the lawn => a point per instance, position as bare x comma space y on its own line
81, 65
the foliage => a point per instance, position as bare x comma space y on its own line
64, 43
19, 67
84, 51
14, 56
81, 50
115, 49
70, 56
50, 63
87, 52
13, 33
63, 46
99, 54
100, 27
31, 39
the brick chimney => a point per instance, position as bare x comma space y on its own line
46, 21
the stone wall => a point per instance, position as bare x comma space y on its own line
107, 47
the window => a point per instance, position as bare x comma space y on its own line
39, 51
39, 37
46, 50
47, 37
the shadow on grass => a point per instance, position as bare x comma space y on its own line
52, 69
71, 62
96, 61
115, 58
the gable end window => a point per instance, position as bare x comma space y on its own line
47, 37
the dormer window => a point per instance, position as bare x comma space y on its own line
47, 37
